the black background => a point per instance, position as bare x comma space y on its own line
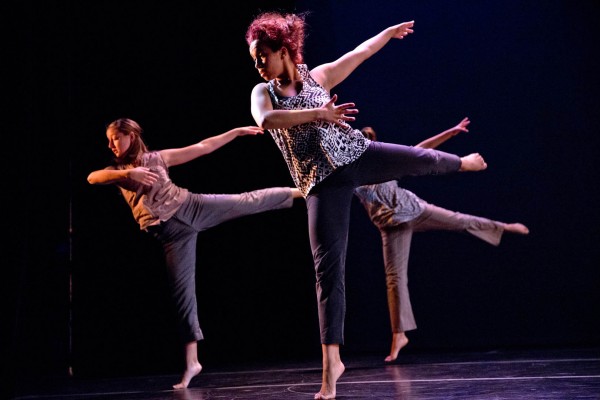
524, 72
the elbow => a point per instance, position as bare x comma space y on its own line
266, 122
262, 122
91, 179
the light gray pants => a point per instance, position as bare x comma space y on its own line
396, 249
178, 237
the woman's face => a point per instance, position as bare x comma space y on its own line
269, 63
118, 142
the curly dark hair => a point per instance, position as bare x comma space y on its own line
277, 30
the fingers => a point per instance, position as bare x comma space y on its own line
404, 29
148, 177
341, 123
343, 116
253, 130
340, 112
344, 105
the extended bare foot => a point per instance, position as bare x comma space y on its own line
188, 374
330, 378
516, 228
472, 162
399, 340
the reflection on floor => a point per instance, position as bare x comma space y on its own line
534, 374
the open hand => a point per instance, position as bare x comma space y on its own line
249, 130
337, 114
461, 127
143, 175
402, 30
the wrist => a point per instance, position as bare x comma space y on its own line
319, 114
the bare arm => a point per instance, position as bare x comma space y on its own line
471, 162
184, 154
267, 118
109, 176
440, 138
331, 74
171, 157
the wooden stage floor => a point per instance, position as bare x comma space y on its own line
517, 374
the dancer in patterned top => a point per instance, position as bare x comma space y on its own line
175, 216
398, 213
326, 157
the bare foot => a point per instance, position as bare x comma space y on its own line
399, 340
516, 228
188, 374
472, 162
330, 378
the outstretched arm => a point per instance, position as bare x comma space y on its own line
331, 74
471, 162
184, 154
440, 138
171, 157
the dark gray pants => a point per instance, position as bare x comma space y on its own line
329, 204
178, 237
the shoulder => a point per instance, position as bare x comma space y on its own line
318, 74
261, 85
260, 88
304, 71
152, 158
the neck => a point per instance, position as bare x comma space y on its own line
283, 81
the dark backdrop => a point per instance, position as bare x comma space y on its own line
87, 288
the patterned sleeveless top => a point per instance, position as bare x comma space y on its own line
313, 150
388, 204
152, 204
